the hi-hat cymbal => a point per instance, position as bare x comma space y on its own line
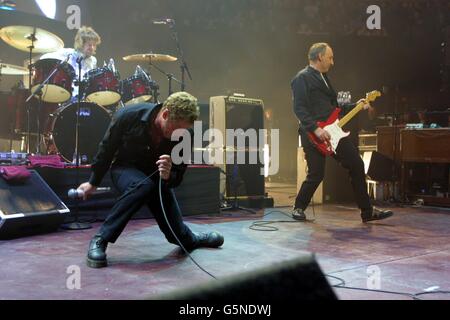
10, 69
20, 37
150, 57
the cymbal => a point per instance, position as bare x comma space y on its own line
11, 69
19, 37
150, 57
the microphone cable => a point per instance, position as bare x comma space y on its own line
165, 217
175, 236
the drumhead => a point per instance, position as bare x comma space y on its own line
94, 121
104, 98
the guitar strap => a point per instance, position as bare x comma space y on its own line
324, 80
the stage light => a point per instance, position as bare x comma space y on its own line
48, 7
7, 5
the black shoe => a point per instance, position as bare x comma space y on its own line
96, 257
299, 214
208, 239
376, 214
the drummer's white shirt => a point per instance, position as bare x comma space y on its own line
86, 64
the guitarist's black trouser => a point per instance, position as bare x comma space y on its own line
348, 156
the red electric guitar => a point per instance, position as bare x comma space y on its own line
333, 125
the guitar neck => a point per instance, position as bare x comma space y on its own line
351, 114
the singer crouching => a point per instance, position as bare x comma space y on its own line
137, 144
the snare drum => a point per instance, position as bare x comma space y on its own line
136, 89
59, 87
61, 130
102, 86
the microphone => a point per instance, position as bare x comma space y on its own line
78, 193
164, 21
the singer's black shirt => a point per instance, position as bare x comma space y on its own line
128, 143
313, 100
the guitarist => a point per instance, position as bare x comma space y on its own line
314, 100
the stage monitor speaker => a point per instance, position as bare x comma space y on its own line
293, 280
378, 167
233, 113
29, 208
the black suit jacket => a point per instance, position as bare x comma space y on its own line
127, 143
313, 100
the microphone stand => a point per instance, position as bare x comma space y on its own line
183, 64
395, 123
234, 183
77, 225
153, 86
397, 177
32, 38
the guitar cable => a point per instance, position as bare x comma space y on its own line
413, 296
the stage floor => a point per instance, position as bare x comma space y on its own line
411, 252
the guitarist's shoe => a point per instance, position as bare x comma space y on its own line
299, 214
375, 214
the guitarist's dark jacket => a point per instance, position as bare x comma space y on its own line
313, 100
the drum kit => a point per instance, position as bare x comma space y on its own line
52, 81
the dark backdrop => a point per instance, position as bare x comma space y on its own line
256, 46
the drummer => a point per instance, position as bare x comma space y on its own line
85, 46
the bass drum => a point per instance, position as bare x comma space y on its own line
61, 131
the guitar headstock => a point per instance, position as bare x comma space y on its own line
372, 95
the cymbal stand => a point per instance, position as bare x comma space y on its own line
169, 76
153, 86
32, 38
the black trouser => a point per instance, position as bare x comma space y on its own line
125, 178
348, 156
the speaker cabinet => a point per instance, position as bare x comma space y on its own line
235, 114
29, 208
302, 171
293, 280
198, 193
379, 167
335, 187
